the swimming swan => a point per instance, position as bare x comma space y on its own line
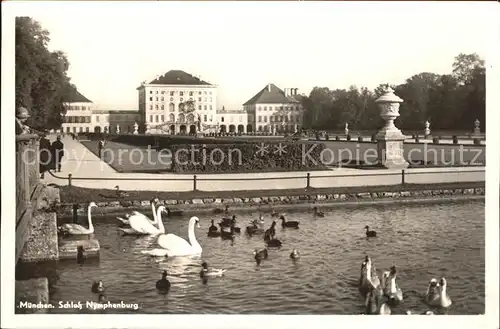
368, 278
140, 224
213, 272
391, 288
375, 304
177, 246
136, 213
432, 295
76, 229
444, 298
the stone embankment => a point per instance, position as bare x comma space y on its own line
295, 201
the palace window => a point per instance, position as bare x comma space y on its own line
171, 93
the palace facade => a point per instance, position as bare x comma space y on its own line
180, 103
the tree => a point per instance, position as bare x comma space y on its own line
41, 75
464, 67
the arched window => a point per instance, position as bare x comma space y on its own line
171, 107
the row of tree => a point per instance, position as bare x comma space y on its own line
41, 79
450, 101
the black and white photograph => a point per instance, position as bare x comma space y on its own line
245, 164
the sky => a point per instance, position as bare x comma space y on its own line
113, 47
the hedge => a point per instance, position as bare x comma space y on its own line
231, 158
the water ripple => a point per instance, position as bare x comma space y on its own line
424, 241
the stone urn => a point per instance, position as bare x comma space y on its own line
389, 138
427, 130
136, 128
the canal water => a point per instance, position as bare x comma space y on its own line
423, 241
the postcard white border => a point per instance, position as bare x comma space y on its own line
10, 320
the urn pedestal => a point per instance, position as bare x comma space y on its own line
390, 140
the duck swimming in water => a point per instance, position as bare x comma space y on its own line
205, 272
270, 233
370, 234
318, 213
163, 284
291, 224
221, 211
213, 231
260, 255
294, 254
98, 287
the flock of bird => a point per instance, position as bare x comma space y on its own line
379, 295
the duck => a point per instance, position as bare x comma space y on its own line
318, 213
98, 287
432, 295
76, 229
294, 254
120, 194
390, 287
274, 213
254, 228
79, 254
227, 235
291, 224
444, 298
213, 231
228, 221
174, 213
163, 284
274, 243
259, 255
213, 272
375, 303
270, 233
369, 233
221, 211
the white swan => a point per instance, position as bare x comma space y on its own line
432, 295
140, 225
177, 246
75, 229
444, 299
369, 277
136, 213
390, 287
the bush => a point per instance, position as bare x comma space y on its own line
348, 137
227, 158
435, 140
374, 138
337, 138
417, 139
327, 137
455, 139
477, 141
360, 138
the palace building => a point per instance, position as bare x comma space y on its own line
78, 116
175, 102
275, 110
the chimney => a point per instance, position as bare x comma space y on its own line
287, 92
269, 87
295, 90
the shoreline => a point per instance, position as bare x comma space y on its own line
267, 204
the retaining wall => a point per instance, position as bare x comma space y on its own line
111, 207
